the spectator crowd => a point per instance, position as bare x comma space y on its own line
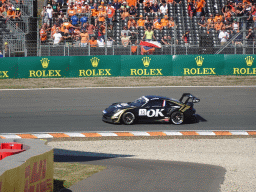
82, 23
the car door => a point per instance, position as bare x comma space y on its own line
153, 110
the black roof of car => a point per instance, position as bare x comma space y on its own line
152, 97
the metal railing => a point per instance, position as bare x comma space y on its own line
14, 46
26, 7
62, 50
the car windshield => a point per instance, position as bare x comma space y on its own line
140, 101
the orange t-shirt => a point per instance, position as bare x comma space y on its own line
84, 37
131, 2
94, 12
53, 30
210, 20
102, 15
102, 6
2, 9
43, 35
125, 14
67, 25
130, 23
110, 12
93, 43
79, 10
164, 22
171, 24
11, 13
157, 25
200, 6
217, 17
141, 23
71, 12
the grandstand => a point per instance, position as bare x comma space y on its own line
177, 24
18, 29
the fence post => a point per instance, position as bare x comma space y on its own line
244, 35
89, 50
253, 48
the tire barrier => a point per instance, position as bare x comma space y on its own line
31, 170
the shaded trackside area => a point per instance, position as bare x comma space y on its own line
129, 174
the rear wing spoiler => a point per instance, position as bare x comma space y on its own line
189, 97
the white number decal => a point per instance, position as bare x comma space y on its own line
142, 112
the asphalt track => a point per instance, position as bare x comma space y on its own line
127, 174
66, 110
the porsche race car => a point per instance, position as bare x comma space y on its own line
152, 108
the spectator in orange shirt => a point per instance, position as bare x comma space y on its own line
171, 2
79, 9
76, 33
210, 19
71, 11
84, 38
93, 42
199, 7
171, 23
158, 25
53, 29
68, 25
125, 14
43, 34
10, 13
131, 22
165, 21
110, 15
2, 11
218, 17
94, 14
141, 22
218, 25
102, 6
102, 15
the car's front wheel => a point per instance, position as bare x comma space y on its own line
128, 118
177, 117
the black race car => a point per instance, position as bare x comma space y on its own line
152, 108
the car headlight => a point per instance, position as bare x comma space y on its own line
117, 113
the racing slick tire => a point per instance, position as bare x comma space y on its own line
177, 117
128, 118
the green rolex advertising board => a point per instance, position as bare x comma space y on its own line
240, 64
124, 65
95, 66
9, 68
43, 67
197, 65
148, 65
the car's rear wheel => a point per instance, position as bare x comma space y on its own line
128, 118
177, 117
